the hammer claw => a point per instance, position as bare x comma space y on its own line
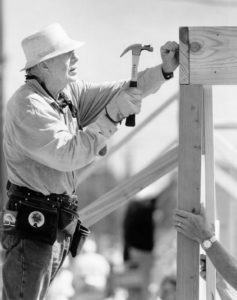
137, 49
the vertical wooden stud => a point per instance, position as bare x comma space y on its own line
210, 194
189, 182
184, 70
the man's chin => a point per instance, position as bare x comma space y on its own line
72, 78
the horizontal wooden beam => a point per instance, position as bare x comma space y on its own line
226, 151
120, 195
226, 182
112, 200
225, 124
208, 55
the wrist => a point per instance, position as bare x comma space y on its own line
167, 73
208, 242
111, 118
206, 234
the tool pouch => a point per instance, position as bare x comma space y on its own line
66, 217
78, 239
37, 222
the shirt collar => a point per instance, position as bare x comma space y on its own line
35, 85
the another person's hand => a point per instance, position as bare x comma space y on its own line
203, 270
193, 226
127, 102
170, 56
203, 266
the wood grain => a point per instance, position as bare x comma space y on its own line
210, 192
213, 55
184, 71
189, 182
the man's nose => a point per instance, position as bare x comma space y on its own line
74, 57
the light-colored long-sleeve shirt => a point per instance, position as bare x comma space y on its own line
225, 291
44, 149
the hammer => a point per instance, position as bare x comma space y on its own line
136, 51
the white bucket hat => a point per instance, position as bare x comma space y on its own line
47, 43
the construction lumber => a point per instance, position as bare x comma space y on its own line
226, 182
224, 124
93, 167
130, 187
189, 183
227, 150
109, 202
2, 164
184, 55
208, 55
210, 192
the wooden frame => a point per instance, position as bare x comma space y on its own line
208, 56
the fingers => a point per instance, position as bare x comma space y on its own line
133, 91
169, 46
203, 266
181, 229
134, 101
203, 274
203, 257
202, 211
182, 213
179, 218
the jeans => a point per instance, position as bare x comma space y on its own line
29, 266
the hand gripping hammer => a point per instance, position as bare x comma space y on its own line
136, 51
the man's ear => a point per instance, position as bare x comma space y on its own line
43, 66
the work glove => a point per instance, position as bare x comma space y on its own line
170, 56
126, 102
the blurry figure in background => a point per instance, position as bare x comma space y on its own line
62, 288
138, 228
168, 288
144, 218
90, 273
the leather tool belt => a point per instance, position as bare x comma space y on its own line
40, 216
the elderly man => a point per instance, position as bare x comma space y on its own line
55, 126
198, 229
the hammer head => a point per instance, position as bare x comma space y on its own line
137, 49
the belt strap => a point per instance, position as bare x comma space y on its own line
61, 200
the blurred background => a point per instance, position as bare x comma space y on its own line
103, 271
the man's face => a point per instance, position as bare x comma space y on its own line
63, 68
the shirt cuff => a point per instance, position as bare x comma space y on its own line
105, 126
167, 76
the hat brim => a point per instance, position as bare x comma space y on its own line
73, 45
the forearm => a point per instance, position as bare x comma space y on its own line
150, 80
225, 264
225, 291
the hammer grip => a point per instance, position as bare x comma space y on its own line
131, 121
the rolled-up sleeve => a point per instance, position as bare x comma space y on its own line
91, 98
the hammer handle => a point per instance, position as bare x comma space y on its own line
130, 121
